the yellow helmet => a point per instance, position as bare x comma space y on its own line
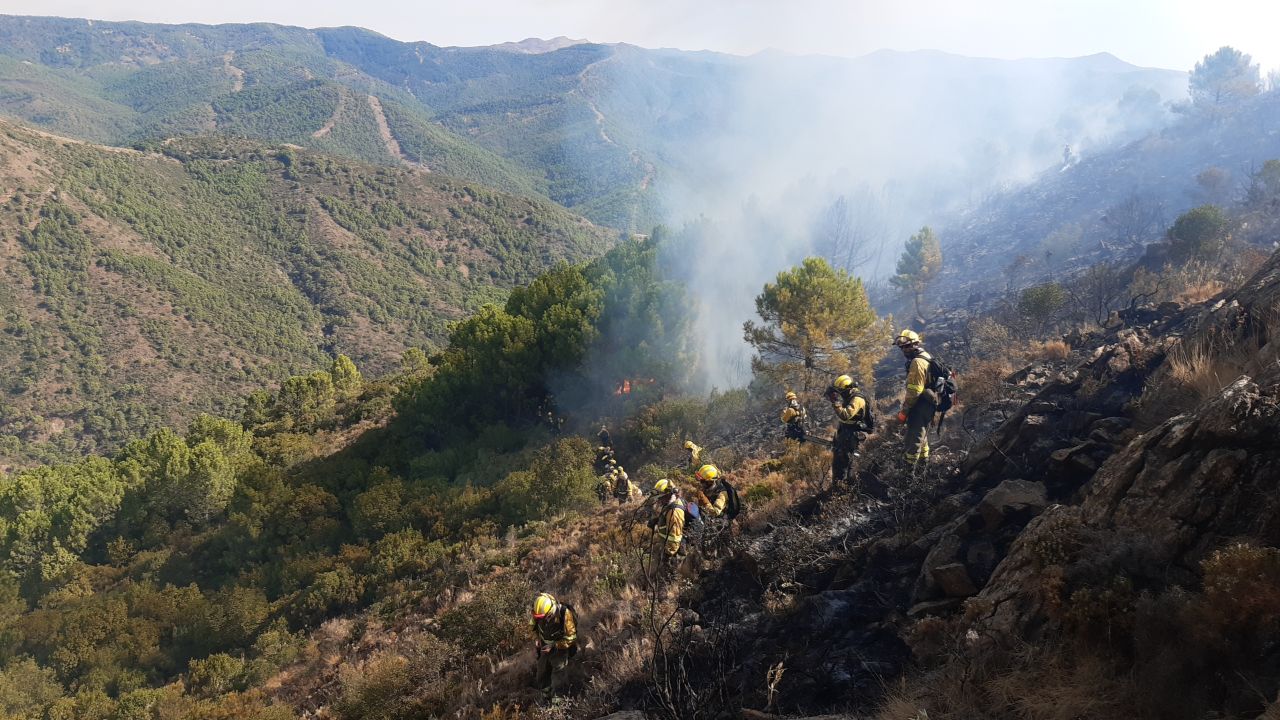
662, 486
791, 395
543, 605
708, 472
907, 337
688, 445
844, 382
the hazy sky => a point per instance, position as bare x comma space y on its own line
1162, 33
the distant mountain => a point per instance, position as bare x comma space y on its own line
142, 288
537, 46
624, 135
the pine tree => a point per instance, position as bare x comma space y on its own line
918, 266
815, 321
1223, 79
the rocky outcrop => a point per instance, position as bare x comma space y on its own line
1185, 488
1189, 486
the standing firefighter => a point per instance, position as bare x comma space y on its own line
668, 523
606, 440
555, 631
920, 400
854, 416
793, 417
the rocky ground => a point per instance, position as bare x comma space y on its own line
1117, 442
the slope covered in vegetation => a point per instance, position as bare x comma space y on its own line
174, 578
143, 289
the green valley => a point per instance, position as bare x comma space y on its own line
145, 287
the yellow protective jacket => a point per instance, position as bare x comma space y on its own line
849, 414
558, 628
671, 526
712, 500
917, 379
793, 412
695, 457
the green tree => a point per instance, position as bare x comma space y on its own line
918, 266
1041, 303
208, 485
1198, 234
347, 380
234, 441
814, 321
307, 398
1263, 192
1223, 79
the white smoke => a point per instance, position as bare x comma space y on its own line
907, 139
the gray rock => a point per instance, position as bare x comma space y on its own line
1009, 497
934, 607
954, 580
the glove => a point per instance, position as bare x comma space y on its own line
902, 418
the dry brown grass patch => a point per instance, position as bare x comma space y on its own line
1051, 350
1201, 291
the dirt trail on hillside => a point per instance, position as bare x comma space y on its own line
393, 147
333, 119
236, 73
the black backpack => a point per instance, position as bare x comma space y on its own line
943, 383
732, 505
868, 418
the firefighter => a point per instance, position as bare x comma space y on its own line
854, 422
555, 632
623, 488
919, 402
606, 440
668, 522
695, 455
712, 494
793, 417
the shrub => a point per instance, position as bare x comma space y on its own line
217, 674
758, 494
493, 621
1198, 234
1041, 303
559, 477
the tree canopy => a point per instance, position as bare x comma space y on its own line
1223, 79
814, 321
919, 265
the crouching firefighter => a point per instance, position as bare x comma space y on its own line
668, 523
555, 631
793, 417
853, 414
718, 503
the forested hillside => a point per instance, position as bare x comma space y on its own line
620, 134
144, 288
178, 576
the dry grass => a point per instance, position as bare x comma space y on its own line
984, 381
1201, 291
1046, 682
1051, 350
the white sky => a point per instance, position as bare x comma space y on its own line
1159, 33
